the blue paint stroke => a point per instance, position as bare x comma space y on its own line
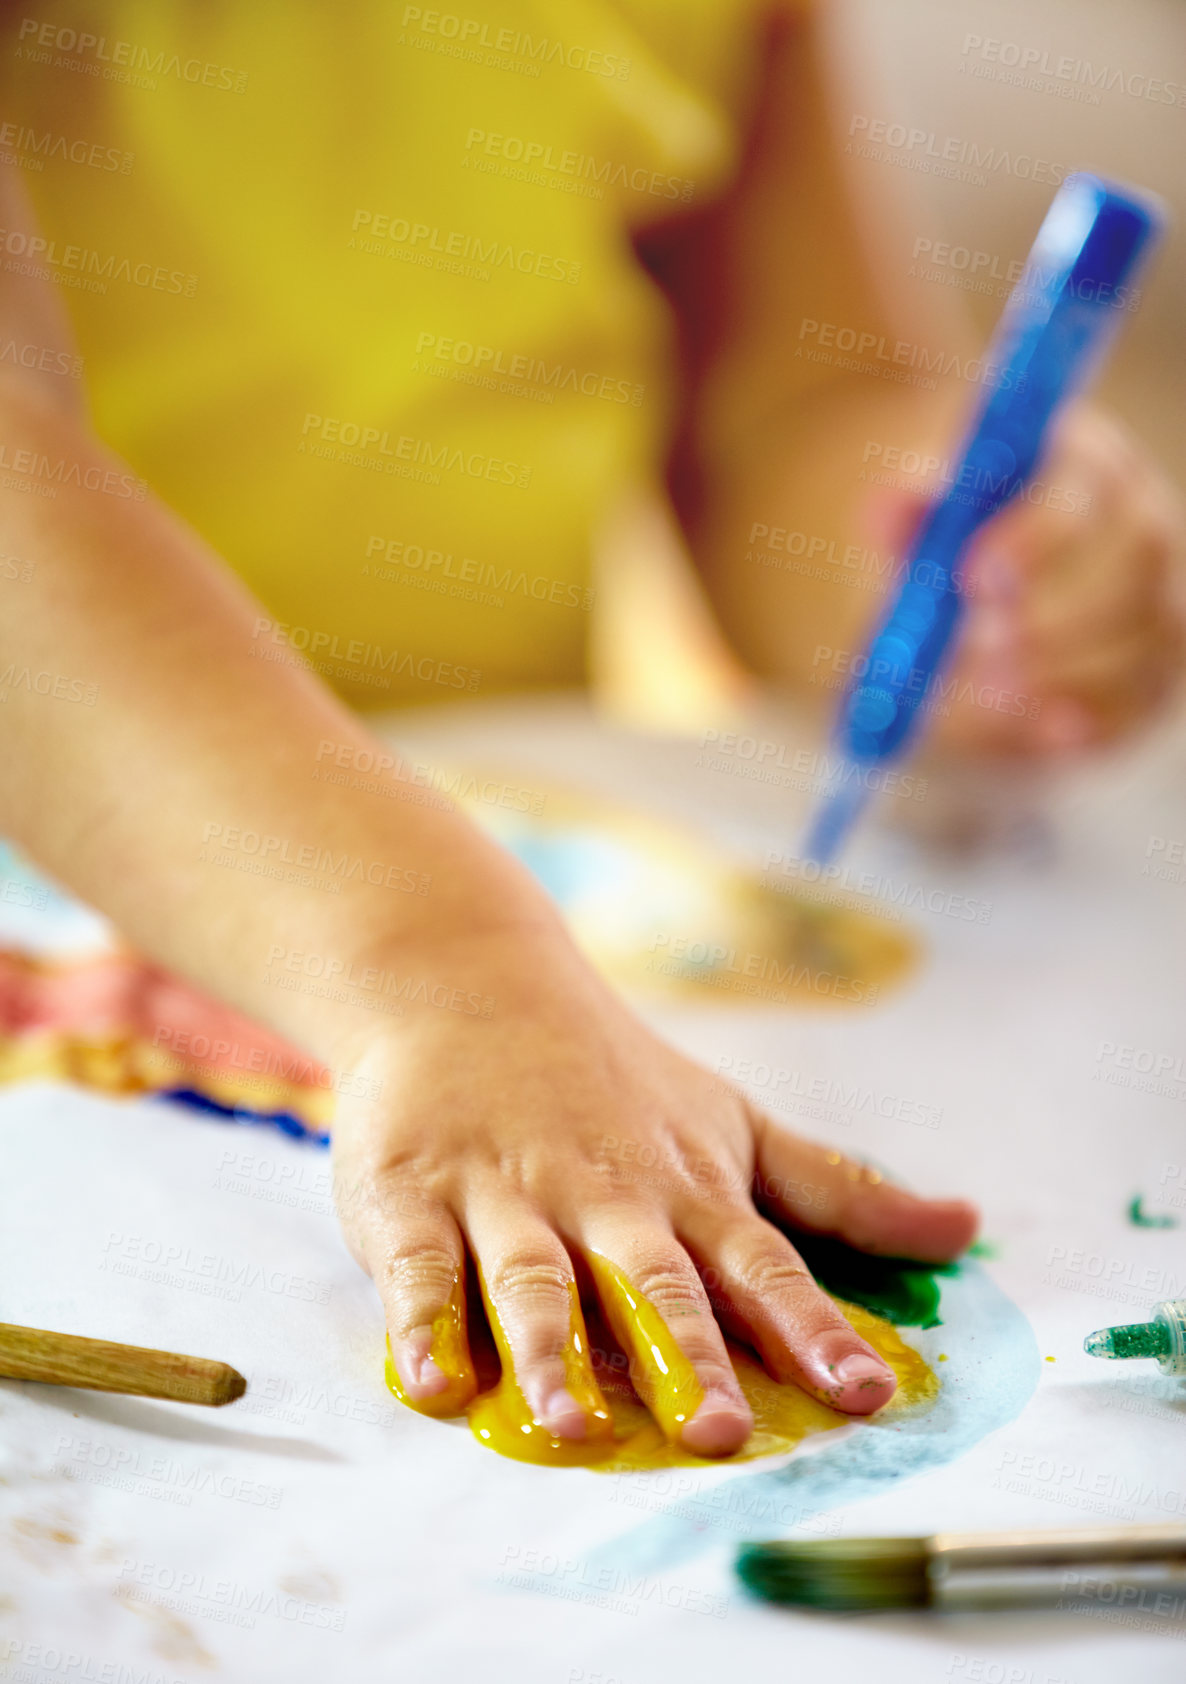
992, 1368
286, 1121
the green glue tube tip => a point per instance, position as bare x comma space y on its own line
1162, 1338
1138, 1339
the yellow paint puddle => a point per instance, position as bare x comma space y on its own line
639, 1392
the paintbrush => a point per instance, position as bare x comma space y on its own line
61, 1359
1118, 1565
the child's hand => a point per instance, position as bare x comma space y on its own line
521, 1135
1075, 613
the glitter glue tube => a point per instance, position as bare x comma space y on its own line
1163, 1337
1075, 290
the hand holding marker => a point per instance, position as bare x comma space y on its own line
1055, 329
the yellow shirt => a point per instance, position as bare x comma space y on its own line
355, 294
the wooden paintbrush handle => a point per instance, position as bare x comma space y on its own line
61, 1359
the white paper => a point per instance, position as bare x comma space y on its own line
318, 1531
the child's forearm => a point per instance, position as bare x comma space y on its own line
156, 764
794, 563
806, 259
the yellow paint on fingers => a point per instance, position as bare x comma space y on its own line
449, 1349
502, 1418
638, 1398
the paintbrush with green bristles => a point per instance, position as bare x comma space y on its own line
1120, 1565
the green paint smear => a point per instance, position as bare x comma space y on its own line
899, 1289
985, 1250
1141, 1218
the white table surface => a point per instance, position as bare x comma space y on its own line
316, 1531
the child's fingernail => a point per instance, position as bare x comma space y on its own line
420, 1376
994, 579
859, 1367
992, 630
1064, 724
563, 1416
858, 1381
719, 1426
431, 1378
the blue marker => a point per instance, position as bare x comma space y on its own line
1056, 326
